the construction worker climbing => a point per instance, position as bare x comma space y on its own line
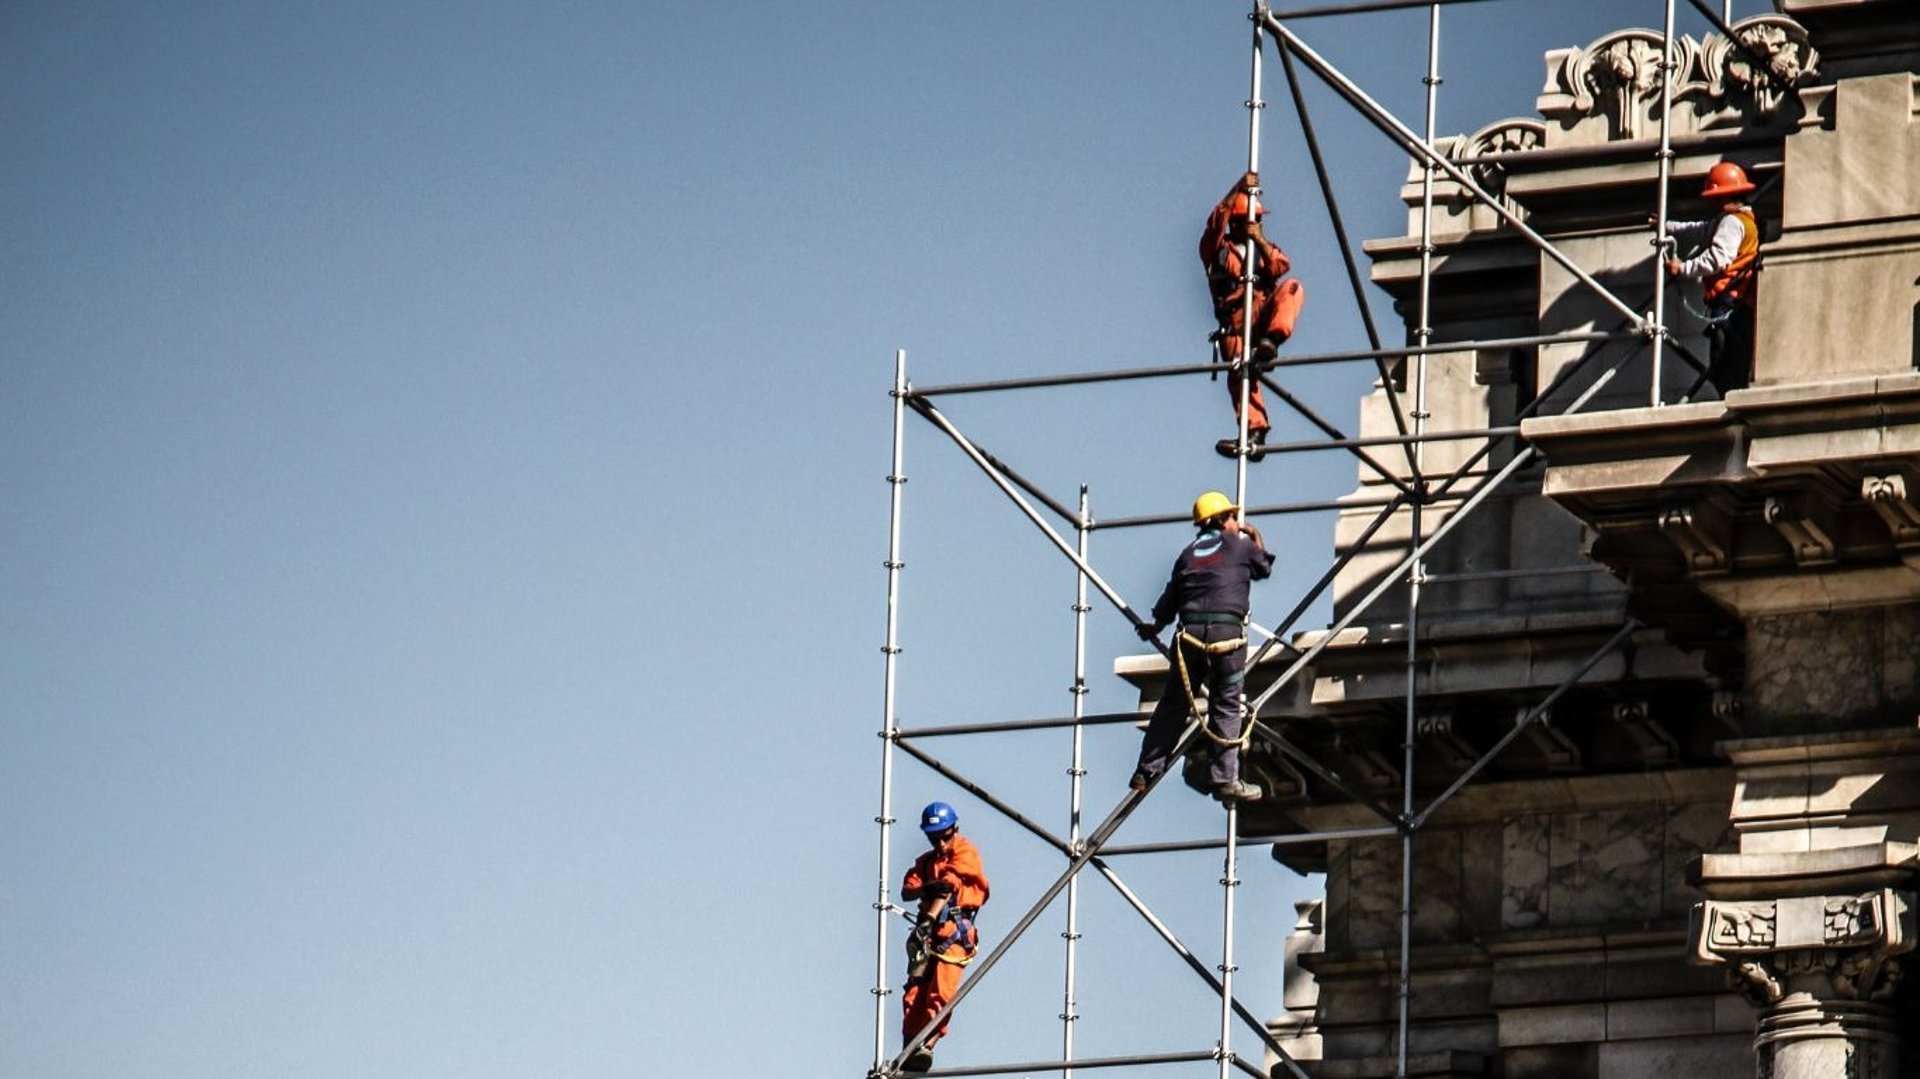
1231, 226
951, 887
1208, 592
1726, 261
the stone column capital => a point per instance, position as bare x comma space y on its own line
1836, 947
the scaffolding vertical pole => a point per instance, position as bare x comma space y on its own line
1229, 880
1230, 861
1416, 573
890, 722
1076, 773
1249, 268
1658, 318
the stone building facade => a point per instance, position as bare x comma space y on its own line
1701, 860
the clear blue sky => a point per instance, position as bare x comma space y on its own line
442, 504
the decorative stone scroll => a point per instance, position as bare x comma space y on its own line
1615, 81
1505, 137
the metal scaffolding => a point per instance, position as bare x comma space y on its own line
1413, 495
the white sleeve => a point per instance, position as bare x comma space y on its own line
1688, 235
1727, 234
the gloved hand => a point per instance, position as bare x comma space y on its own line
1148, 630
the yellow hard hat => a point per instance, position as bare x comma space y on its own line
1211, 505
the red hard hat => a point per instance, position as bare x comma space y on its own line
1726, 180
1237, 208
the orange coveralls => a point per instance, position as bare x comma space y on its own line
959, 866
1276, 303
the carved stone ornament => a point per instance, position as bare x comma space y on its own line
1851, 941
1809, 533
1888, 496
1609, 78
1701, 535
1655, 744
1616, 79
1734, 928
1781, 44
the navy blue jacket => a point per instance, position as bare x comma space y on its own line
1212, 576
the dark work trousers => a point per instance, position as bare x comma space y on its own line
1223, 677
1730, 348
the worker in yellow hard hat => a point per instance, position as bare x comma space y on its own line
1208, 592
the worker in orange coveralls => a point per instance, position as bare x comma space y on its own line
1276, 304
951, 887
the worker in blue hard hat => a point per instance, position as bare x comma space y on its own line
951, 887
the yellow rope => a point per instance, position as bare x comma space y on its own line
1194, 708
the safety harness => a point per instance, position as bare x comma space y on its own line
925, 945
1732, 287
1195, 708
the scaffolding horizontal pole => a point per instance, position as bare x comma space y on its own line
1280, 839
1309, 445
1511, 574
1082, 1064
1443, 347
1044, 381
1247, 1066
1099, 719
1250, 511
1361, 7
1075, 379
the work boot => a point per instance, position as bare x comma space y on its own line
919, 1060
1257, 444
1227, 447
1139, 780
1237, 790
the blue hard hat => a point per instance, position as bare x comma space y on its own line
938, 817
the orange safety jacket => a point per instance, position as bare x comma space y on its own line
1734, 285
